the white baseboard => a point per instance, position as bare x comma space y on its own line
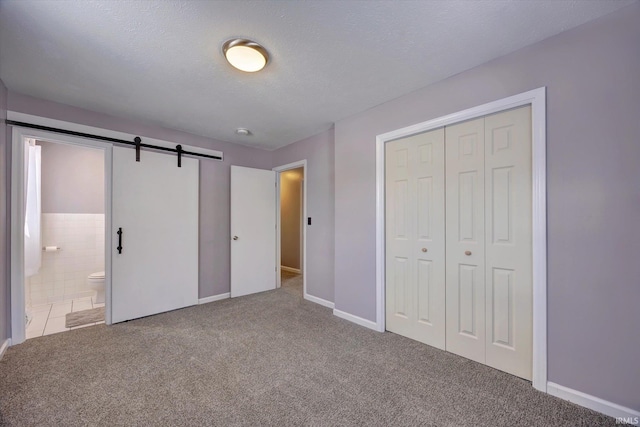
320, 301
214, 298
290, 269
3, 348
631, 416
355, 319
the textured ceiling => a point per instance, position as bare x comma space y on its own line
160, 61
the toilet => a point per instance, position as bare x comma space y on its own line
96, 282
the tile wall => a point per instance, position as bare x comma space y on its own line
63, 274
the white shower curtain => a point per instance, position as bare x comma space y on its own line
32, 244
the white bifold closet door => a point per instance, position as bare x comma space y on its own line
415, 264
489, 241
155, 203
466, 188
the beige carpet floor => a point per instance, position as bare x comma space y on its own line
291, 282
265, 359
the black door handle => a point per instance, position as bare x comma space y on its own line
119, 240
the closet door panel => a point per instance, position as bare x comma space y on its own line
429, 245
465, 235
508, 207
415, 269
399, 311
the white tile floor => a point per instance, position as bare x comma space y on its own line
50, 318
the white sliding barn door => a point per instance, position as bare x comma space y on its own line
508, 207
415, 267
465, 239
253, 230
155, 203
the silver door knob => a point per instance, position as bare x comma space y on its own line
235, 237
424, 249
467, 253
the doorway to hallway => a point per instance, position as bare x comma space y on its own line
291, 219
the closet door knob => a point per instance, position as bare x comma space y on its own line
424, 249
467, 253
235, 237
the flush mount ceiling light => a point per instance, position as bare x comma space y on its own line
243, 131
245, 55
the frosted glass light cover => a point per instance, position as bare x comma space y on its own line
245, 58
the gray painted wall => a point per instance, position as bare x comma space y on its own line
290, 217
5, 300
214, 249
72, 179
319, 152
592, 74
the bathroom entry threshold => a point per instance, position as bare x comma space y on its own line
48, 319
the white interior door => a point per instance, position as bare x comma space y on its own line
509, 281
155, 203
415, 236
253, 230
465, 239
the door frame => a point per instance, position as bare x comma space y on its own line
18, 326
278, 170
537, 99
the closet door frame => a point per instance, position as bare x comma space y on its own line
537, 99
